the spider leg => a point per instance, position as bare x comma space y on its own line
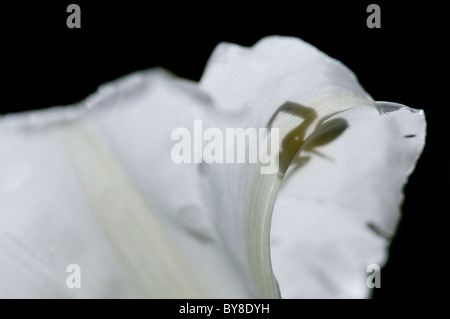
295, 166
299, 110
322, 155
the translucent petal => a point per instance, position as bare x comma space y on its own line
336, 214
94, 183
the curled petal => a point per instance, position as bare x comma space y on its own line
95, 184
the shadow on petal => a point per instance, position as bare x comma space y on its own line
295, 142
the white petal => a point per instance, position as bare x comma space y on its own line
114, 158
46, 223
260, 81
275, 70
270, 82
335, 216
158, 228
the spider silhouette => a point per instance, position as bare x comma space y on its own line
294, 142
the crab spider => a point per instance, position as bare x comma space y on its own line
294, 142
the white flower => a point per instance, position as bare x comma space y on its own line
93, 184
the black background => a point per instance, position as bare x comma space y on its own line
44, 64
